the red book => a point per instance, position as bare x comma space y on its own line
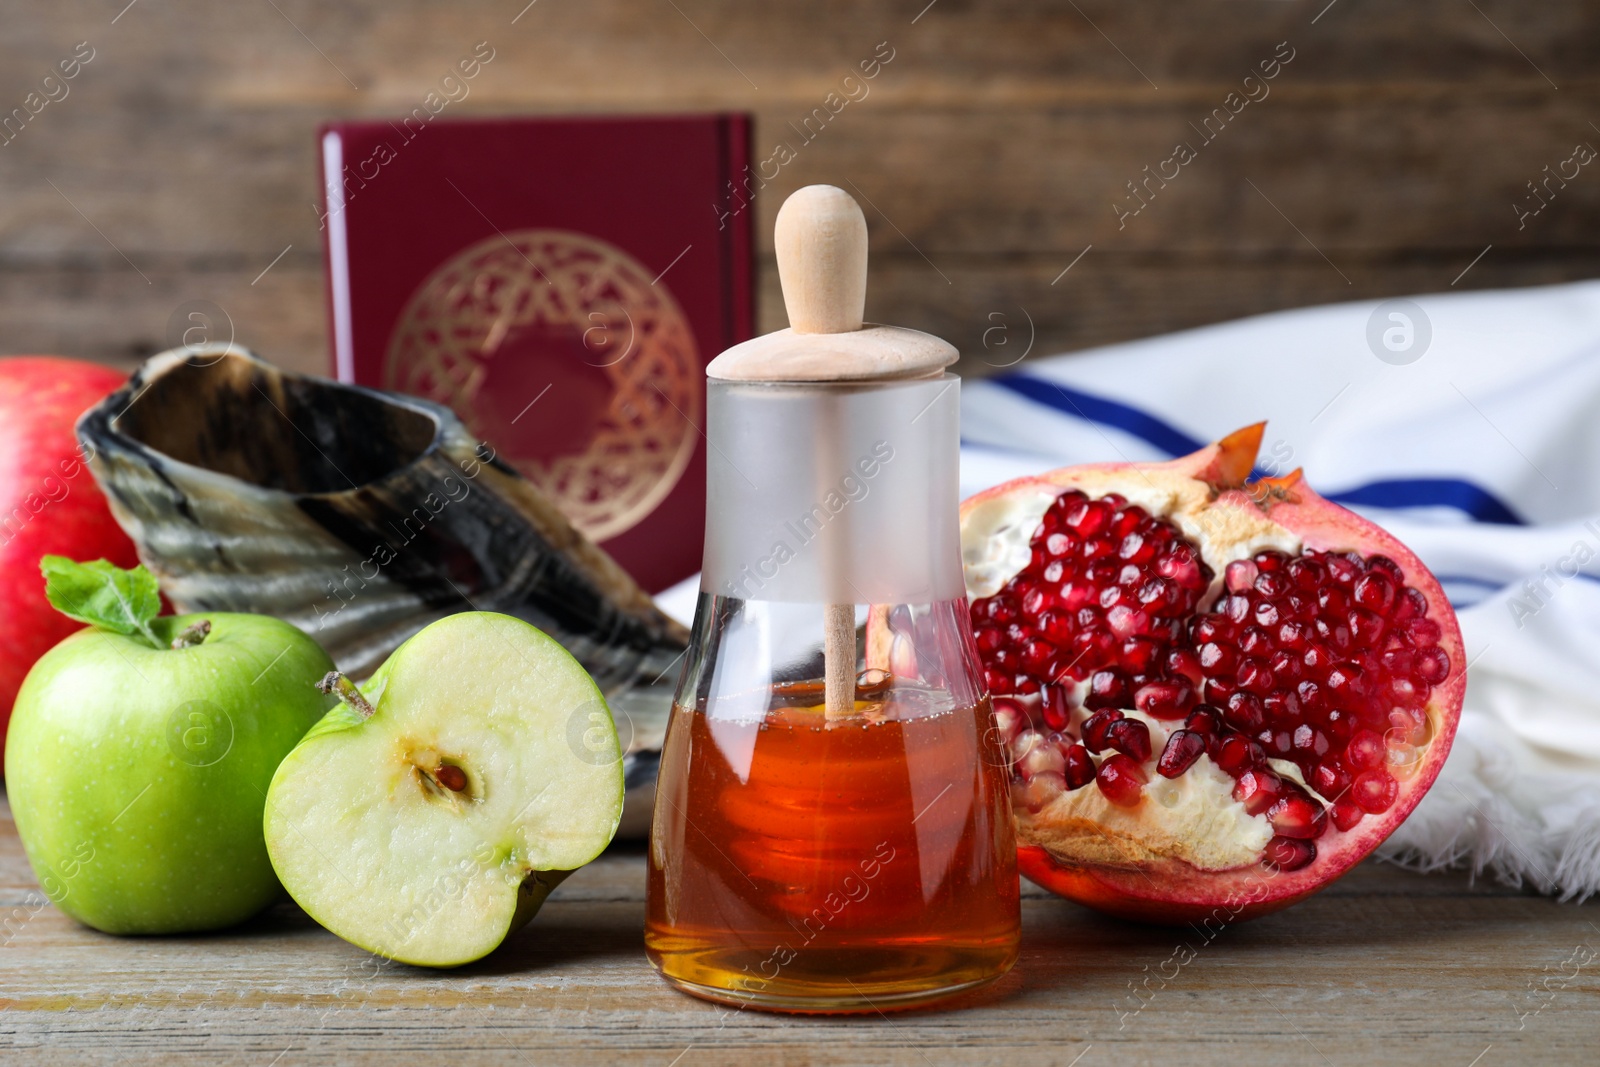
560, 283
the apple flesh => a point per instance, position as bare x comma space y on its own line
137, 775
488, 770
49, 503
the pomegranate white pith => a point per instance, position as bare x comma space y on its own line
1210, 692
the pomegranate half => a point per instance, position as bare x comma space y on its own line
1217, 695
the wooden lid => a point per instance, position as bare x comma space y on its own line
821, 239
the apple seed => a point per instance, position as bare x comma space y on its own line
451, 777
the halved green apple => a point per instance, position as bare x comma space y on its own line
430, 814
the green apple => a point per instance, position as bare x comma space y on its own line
431, 814
137, 762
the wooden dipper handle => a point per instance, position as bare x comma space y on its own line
821, 239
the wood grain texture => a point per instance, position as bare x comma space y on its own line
1385, 966
993, 148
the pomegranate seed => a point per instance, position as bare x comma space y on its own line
1293, 636
1282, 709
1317, 660
1412, 604
1255, 676
1386, 566
1239, 575
1288, 854
1182, 567
1306, 573
1336, 634
1126, 621
1107, 689
1330, 779
1054, 706
1024, 743
1182, 749
1346, 814
1042, 759
1272, 584
1183, 663
1095, 727
1084, 517
1366, 627
1345, 681
1215, 658
1257, 790
1166, 699
1204, 719
1407, 693
1041, 790
1342, 569
1365, 751
1138, 654
1285, 666
1008, 720
1121, 780
1398, 661
1374, 592
1037, 656
1130, 737
1054, 625
1407, 727
1374, 791
1135, 548
1278, 743
1237, 754
1433, 666
1340, 723
1422, 633
1080, 768
1309, 744
1076, 595
1297, 815
1254, 641
1246, 711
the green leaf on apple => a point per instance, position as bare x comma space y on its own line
104, 595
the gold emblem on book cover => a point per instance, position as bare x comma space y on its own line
558, 349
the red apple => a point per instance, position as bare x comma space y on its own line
49, 503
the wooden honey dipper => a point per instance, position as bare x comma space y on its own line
821, 242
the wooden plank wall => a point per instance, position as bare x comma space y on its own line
994, 147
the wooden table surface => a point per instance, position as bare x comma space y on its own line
1384, 965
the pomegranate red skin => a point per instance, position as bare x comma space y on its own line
49, 503
1173, 892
